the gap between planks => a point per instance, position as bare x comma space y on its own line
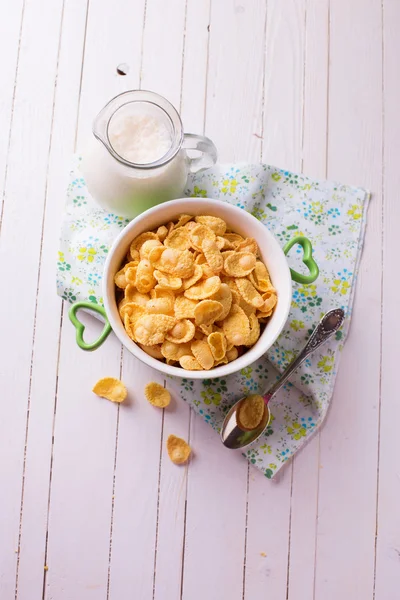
382, 295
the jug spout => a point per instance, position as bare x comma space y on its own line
100, 125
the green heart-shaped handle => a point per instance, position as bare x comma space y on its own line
80, 328
307, 260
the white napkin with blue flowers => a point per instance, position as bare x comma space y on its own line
331, 215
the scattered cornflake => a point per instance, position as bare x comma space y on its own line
178, 450
110, 388
157, 395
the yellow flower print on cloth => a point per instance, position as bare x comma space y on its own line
229, 185
86, 254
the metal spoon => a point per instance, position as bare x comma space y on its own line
232, 435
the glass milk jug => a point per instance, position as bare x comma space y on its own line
137, 156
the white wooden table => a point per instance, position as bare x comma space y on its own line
90, 505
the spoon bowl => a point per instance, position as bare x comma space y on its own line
234, 436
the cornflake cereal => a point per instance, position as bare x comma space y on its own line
194, 294
157, 395
251, 412
110, 388
178, 450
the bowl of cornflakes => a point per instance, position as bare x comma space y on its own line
197, 285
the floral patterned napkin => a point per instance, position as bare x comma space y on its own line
332, 215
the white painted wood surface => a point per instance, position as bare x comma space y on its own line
86, 487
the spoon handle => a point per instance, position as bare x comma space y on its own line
328, 325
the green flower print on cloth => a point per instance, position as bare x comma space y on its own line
332, 215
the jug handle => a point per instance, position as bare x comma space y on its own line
202, 144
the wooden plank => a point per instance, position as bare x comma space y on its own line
347, 493
11, 18
305, 482
173, 480
284, 81
387, 580
142, 549
217, 483
21, 236
86, 426
269, 533
235, 79
43, 382
135, 520
315, 108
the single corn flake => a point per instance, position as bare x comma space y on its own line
232, 354
163, 306
162, 233
133, 255
121, 305
197, 274
178, 450
251, 412
204, 289
233, 287
172, 351
189, 363
223, 361
259, 277
239, 264
213, 256
248, 245
254, 330
132, 295
157, 395
184, 307
111, 388
225, 255
249, 292
182, 220
190, 225
158, 292
145, 280
128, 327
154, 351
234, 239
166, 281
141, 239
202, 353
224, 297
217, 343
175, 262
236, 326
217, 225
178, 239
130, 275
147, 247
182, 332
269, 301
207, 311
155, 254
151, 329
120, 279
223, 244
133, 310
249, 309
199, 234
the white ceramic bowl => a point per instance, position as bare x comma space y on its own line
238, 221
